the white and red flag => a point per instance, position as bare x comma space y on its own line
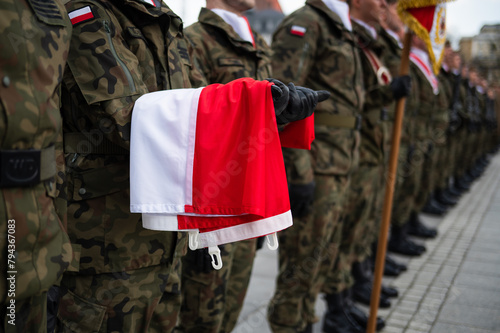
210, 160
427, 19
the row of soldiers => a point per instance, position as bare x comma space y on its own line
115, 276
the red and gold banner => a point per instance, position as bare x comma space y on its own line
427, 19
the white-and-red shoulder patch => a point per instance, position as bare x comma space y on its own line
81, 15
297, 30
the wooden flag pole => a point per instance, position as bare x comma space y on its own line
389, 191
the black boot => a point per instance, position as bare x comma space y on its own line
362, 293
337, 318
400, 243
358, 315
444, 199
433, 207
418, 229
455, 189
390, 261
391, 267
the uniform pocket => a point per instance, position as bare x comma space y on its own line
78, 315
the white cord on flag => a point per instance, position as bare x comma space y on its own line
193, 239
214, 253
272, 241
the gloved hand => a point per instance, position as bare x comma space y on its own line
280, 94
301, 198
301, 101
401, 86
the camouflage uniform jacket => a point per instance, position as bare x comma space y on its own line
35, 39
222, 55
378, 100
126, 49
327, 58
432, 117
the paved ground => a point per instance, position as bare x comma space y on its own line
453, 288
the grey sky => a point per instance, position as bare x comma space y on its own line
465, 17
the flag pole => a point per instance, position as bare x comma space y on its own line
389, 191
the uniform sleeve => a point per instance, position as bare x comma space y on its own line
293, 58
199, 74
104, 72
293, 54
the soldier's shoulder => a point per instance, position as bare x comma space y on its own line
195, 30
303, 22
306, 15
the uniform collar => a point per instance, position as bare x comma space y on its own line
371, 30
320, 5
395, 36
342, 10
239, 24
209, 17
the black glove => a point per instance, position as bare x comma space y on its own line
301, 101
301, 198
401, 86
280, 96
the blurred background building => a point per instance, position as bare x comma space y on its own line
483, 51
266, 17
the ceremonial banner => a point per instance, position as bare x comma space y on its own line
427, 19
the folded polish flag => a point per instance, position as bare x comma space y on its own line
298, 134
209, 159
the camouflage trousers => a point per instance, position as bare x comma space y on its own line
408, 182
212, 301
358, 224
307, 251
143, 300
428, 179
461, 151
443, 166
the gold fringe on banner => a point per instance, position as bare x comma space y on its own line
414, 25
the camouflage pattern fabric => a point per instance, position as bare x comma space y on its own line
213, 300
357, 211
325, 57
361, 209
122, 51
35, 43
306, 249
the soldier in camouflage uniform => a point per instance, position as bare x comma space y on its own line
129, 276
422, 108
35, 249
314, 47
362, 212
212, 299
433, 113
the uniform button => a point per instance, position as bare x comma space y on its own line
6, 81
82, 191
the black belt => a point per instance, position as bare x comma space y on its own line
19, 168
